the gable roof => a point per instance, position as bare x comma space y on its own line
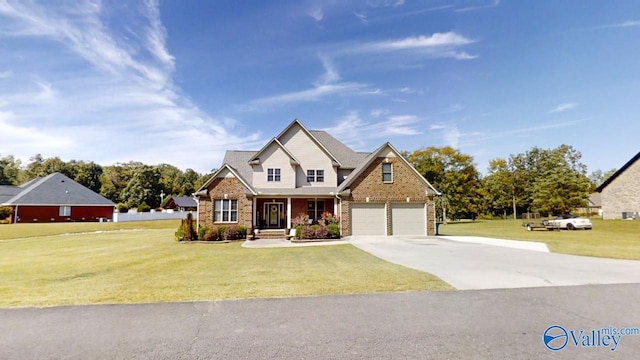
313, 138
55, 189
373, 156
617, 173
292, 158
344, 154
233, 172
7, 192
184, 201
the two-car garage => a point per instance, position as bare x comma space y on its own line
371, 219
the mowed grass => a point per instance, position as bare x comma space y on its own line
618, 239
145, 266
15, 231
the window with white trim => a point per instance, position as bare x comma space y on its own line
225, 210
273, 174
64, 211
387, 173
315, 176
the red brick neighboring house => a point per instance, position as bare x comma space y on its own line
310, 172
54, 198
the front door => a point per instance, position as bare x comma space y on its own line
273, 213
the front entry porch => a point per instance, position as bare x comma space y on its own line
278, 213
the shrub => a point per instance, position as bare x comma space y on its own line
187, 230
5, 212
301, 220
328, 218
308, 232
211, 235
202, 231
144, 207
299, 230
223, 231
122, 208
322, 232
242, 231
232, 233
334, 230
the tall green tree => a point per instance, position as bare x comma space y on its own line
499, 188
455, 175
143, 187
87, 173
10, 169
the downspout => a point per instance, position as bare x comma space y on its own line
340, 209
15, 218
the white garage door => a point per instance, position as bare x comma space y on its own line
408, 219
368, 219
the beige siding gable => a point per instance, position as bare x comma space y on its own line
623, 193
274, 157
311, 157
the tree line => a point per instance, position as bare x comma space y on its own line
549, 181
130, 184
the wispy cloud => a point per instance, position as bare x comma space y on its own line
328, 84
116, 96
437, 44
629, 23
385, 3
390, 125
362, 16
474, 7
563, 107
474, 138
316, 13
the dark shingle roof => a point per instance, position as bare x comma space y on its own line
56, 189
184, 201
344, 154
7, 192
239, 160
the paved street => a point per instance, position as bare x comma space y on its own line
479, 266
505, 324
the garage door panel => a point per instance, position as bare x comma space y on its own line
408, 219
368, 219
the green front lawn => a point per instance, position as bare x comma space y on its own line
140, 266
609, 238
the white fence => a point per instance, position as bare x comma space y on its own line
153, 215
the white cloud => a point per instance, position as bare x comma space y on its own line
629, 23
437, 45
115, 101
328, 85
563, 107
356, 132
361, 16
385, 3
494, 3
316, 13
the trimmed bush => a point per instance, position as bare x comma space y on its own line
144, 207
223, 231
334, 230
211, 235
122, 208
187, 230
299, 230
242, 232
232, 233
202, 231
5, 212
308, 232
322, 232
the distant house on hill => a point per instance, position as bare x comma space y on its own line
621, 193
54, 198
181, 203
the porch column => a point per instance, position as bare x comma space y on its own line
253, 212
288, 213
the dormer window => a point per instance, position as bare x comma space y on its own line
387, 173
273, 175
315, 176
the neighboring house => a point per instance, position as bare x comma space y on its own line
181, 203
310, 172
593, 205
54, 198
621, 192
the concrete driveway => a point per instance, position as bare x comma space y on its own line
481, 266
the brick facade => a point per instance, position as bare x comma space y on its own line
622, 194
406, 187
234, 190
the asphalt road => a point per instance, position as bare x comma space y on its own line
478, 266
489, 324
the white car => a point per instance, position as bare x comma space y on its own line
572, 222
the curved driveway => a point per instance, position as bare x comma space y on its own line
480, 266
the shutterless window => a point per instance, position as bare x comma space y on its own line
315, 208
225, 210
315, 175
387, 173
273, 174
64, 211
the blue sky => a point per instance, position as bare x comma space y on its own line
181, 81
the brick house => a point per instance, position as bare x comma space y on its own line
311, 172
54, 198
620, 193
